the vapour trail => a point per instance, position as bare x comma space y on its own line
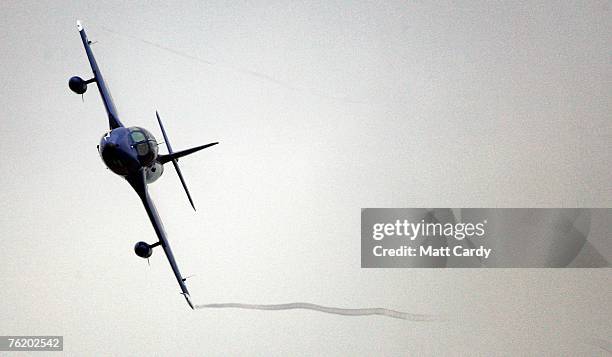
330, 310
259, 75
601, 343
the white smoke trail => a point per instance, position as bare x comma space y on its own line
230, 67
326, 309
601, 343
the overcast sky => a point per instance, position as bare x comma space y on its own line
321, 109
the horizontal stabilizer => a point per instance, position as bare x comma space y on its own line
175, 155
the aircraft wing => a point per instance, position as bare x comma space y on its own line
138, 183
113, 117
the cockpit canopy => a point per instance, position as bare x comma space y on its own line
144, 143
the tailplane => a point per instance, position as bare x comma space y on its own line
174, 156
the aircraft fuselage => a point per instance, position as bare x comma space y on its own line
126, 151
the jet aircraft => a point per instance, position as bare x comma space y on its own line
132, 152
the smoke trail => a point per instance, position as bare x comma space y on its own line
601, 343
330, 310
161, 47
249, 72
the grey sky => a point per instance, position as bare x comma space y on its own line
453, 104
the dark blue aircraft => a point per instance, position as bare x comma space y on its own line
132, 153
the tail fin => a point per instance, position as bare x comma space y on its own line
174, 156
